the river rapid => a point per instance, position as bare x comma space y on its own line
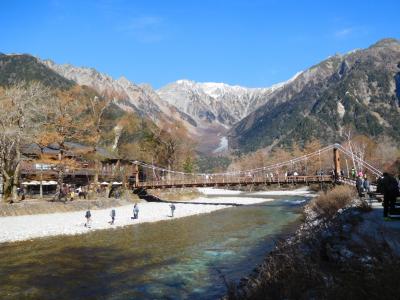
186, 258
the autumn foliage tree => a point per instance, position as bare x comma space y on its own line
64, 121
170, 146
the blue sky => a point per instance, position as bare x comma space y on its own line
250, 43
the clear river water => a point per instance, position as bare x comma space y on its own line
185, 258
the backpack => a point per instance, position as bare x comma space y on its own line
394, 187
88, 214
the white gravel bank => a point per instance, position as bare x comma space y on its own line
213, 191
18, 228
303, 191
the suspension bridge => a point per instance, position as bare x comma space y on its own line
327, 168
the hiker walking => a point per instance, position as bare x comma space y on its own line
353, 173
88, 216
112, 214
389, 188
366, 184
360, 186
172, 206
135, 211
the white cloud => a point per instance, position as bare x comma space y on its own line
146, 29
351, 31
145, 22
344, 32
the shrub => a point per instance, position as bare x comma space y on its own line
327, 204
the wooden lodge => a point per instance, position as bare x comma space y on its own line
81, 165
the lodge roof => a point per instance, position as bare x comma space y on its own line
71, 149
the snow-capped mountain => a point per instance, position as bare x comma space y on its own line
196, 104
216, 102
206, 109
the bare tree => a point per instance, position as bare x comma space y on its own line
97, 107
19, 124
349, 136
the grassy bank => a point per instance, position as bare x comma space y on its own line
32, 207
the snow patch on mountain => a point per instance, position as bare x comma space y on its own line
216, 102
223, 145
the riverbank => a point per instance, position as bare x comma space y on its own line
18, 228
25, 227
179, 259
346, 252
35, 207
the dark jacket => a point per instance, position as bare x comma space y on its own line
388, 186
366, 184
359, 183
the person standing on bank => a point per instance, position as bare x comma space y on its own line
135, 211
172, 206
112, 214
88, 215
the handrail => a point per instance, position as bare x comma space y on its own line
236, 181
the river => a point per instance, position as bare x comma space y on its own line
184, 258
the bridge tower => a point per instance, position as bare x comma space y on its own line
336, 160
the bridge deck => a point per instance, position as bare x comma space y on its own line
237, 181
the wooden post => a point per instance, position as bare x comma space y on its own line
136, 175
336, 161
41, 183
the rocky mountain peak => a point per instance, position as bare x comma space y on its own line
215, 102
356, 90
124, 81
387, 42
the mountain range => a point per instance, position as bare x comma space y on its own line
358, 90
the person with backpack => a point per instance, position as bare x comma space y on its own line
112, 214
172, 206
353, 173
135, 211
389, 188
88, 215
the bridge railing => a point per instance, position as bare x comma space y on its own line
234, 180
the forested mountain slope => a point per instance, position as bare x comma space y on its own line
358, 90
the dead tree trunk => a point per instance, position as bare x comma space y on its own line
15, 182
